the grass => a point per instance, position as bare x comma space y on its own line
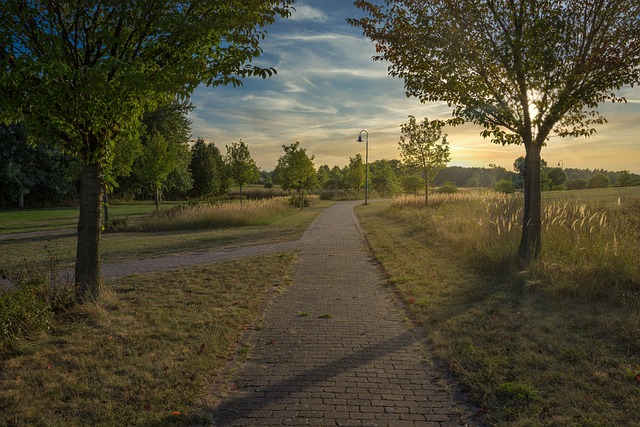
138, 245
221, 215
28, 220
145, 354
532, 348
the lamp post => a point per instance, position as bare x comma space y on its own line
366, 162
561, 164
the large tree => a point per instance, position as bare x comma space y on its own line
523, 70
424, 147
84, 72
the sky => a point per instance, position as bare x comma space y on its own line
327, 89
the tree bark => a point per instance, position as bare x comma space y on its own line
21, 199
105, 207
157, 197
426, 190
87, 272
532, 219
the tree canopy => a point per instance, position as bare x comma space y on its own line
522, 70
82, 73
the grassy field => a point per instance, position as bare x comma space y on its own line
145, 354
134, 245
26, 220
557, 344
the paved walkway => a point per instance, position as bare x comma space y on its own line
333, 348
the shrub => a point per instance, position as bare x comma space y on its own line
599, 181
505, 186
576, 184
447, 188
28, 307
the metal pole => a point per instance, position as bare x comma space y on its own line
366, 170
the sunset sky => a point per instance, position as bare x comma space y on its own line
327, 89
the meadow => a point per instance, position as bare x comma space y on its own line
555, 344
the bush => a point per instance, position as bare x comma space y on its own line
599, 181
28, 308
576, 184
505, 186
447, 188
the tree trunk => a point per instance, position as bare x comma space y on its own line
532, 220
426, 190
21, 199
87, 272
105, 207
157, 197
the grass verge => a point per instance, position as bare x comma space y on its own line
143, 355
528, 351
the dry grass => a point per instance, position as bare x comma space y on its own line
533, 347
145, 355
217, 215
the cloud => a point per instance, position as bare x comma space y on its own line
304, 12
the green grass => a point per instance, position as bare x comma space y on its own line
529, 351
138, 245
28, 220
610, 194
146, 354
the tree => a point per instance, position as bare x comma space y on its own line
521, 69
419, 148
84, 72
624, 179
207, 170
355, 173
158, 160
384, 178
241, 167
599, 180
558, 177
295, 170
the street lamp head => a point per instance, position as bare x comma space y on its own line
360, 138
360, 135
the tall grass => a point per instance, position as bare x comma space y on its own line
215, 215
589, 249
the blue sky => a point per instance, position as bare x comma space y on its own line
327, 89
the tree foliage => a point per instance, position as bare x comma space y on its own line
241, 167
207, 169
523, 70
420, 149
84, 71
295, 170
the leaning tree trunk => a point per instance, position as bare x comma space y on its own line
87, 272
532, 220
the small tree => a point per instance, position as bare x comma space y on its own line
207, 170
295, 170
355, 173
158, 160
419, 148
241, 167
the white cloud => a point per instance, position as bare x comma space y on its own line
308, 13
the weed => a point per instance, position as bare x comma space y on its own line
326, 316
304, 314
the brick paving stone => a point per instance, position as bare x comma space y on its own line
352, 360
